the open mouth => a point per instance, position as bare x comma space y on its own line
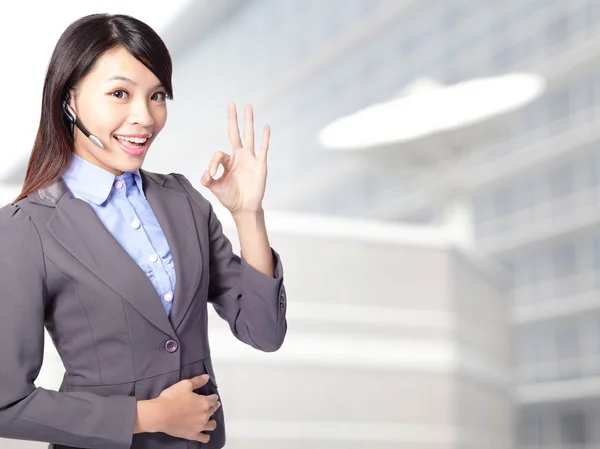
133, 145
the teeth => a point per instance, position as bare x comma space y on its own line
133, 139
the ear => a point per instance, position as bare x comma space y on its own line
71, 95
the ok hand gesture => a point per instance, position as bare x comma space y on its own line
241, 187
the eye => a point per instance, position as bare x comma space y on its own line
159, 96
119, 93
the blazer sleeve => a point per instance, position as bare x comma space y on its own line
33, 413
253, 303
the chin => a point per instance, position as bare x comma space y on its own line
123, 163
131, 166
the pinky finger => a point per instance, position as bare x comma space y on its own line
264, 143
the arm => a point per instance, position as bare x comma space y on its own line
254, 241
28, 413
253, 302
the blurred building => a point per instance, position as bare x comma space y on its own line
396, 339
532, 181
535, 192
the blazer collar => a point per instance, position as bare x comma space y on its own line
51, 195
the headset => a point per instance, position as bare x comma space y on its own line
73, 119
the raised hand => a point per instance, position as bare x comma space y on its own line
241, 187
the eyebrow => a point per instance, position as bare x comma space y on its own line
127, 80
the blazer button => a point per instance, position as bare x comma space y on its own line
171, 346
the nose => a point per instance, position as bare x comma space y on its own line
141, 114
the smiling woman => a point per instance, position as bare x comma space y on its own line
114, 260
110, 90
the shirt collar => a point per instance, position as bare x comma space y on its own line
94, 183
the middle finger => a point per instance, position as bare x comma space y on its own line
249, 128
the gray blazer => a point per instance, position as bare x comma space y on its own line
62, 269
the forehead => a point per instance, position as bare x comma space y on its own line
119, 62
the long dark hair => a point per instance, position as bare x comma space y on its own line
79, 47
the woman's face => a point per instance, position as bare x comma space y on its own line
123, 104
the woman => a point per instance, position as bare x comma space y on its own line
119, 263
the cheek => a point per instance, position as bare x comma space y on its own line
160, 118
109, 119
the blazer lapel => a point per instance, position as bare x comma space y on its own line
76, 227
174, 214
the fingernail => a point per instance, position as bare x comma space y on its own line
213, 172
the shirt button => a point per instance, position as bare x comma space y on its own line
118, 184
168, 297
171, 346
135, 224
153, 258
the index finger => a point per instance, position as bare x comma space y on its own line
234, 131
199, 381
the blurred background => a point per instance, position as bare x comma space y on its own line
433, 176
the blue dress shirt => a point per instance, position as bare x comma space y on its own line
120, 204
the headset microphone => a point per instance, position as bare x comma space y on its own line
73, 119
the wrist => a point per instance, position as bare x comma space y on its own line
148, 418
243, 215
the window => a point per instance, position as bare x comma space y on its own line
543, 266
572, 427
502, 202
568, 353
481, 209
563, 259
561, 181
586, 174
530, 427
596, 257
567, 340
524, 270
524, 195
527, 346
558, 104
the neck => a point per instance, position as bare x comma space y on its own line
90, 158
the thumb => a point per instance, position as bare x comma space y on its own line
199, 381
